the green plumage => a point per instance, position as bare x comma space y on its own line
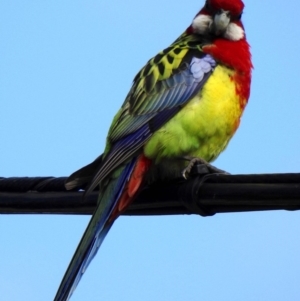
150, 84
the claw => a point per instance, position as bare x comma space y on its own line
206, 168
184, 174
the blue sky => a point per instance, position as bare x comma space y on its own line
65, 68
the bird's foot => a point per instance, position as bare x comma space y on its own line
199, 166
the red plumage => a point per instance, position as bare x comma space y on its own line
235, 55
235, 7
132, 186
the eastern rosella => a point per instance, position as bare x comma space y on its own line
186, 102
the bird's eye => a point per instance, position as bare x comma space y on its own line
207, 6
239, 17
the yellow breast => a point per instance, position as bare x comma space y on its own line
205, 124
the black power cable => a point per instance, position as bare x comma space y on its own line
203, 194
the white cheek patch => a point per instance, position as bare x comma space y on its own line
201, 24
234, 32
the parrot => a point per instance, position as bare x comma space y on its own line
183, 107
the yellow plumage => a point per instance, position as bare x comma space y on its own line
204, 126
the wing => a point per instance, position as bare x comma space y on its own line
160, 89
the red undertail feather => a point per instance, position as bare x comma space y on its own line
133, 185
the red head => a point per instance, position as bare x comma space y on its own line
221, 18
235, 7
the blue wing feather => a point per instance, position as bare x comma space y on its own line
172, 92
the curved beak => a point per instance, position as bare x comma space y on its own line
220, 22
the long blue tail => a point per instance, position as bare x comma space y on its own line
94, 234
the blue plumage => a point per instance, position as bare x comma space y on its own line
99, 228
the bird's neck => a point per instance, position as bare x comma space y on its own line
235, 55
